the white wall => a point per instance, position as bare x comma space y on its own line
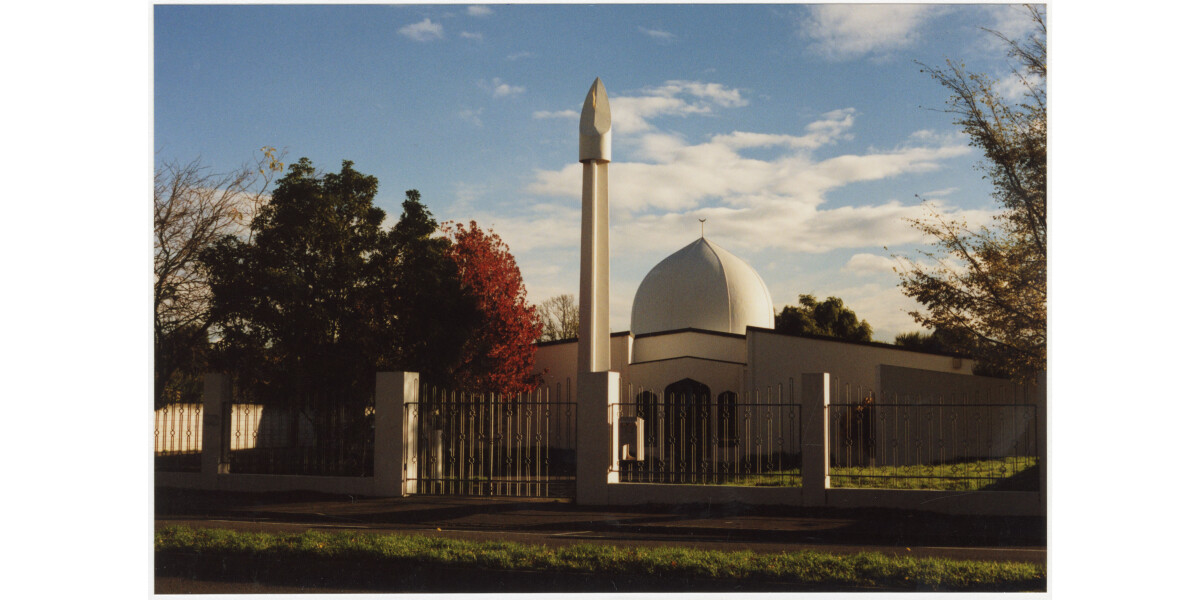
689, 343
558, 362
773, 358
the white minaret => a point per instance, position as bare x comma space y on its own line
595, 152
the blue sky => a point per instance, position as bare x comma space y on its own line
804, 135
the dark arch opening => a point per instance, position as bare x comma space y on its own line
687, 428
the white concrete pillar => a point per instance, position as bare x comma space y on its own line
214, 448
396, 395
597, 451
814, 437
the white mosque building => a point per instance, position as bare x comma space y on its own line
703, 322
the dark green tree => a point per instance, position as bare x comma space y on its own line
935, 342
426, 312
830, 318
295, 305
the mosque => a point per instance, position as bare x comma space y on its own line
702, 332
703, 323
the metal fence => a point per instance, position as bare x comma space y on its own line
313, 435
948, 442
695, 437
178, 434
493, 445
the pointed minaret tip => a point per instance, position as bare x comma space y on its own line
595, 125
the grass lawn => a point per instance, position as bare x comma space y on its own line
385, 552
1011, 473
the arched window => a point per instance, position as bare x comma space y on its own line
726, 420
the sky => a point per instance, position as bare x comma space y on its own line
804, 135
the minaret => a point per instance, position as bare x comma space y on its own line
595, 152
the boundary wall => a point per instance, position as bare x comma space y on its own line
597, 466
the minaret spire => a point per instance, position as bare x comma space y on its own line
595, 152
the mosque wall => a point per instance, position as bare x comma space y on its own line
655, 347
774, 358
656, 376
558, 362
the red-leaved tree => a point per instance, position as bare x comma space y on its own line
499, 358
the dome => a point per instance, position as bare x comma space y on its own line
701, 286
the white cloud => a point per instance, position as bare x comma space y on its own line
674, 98
658, 34
1011, 21
1013, 87
471, 35
499, 89
479, 10
760, 203
869, 264
556, 114
472, 116
423, 31
519, 55
849, 31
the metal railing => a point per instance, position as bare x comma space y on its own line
493, 445
178, 435
726, 439
329, 436
946, 442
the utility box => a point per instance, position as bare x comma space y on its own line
631, 438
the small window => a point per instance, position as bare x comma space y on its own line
647, 409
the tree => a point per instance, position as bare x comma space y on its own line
498, 357
559, 317
830, 318
428, 310
987, 286
193, 209
934, 342
320, 296
297, 304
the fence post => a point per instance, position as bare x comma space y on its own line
814, 437
214, 445
1043, 442
596, 445
395, 433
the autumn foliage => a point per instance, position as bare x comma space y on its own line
499, 357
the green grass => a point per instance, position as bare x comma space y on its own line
1010, 473
804, 568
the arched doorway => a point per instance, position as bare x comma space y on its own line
686, 412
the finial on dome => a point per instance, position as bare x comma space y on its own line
702, 228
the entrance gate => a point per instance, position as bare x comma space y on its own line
492, 445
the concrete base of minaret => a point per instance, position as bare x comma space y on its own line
596, 451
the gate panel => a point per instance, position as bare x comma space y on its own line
492, 445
